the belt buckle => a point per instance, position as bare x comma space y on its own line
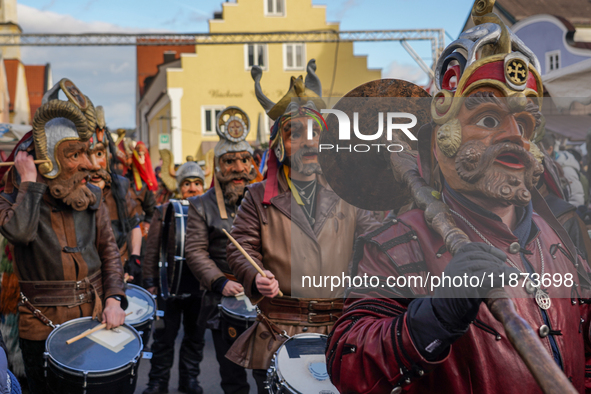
311, 305
310, 316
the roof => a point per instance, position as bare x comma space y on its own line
150, 56
11, 66
573, 127
36, 84
578, 12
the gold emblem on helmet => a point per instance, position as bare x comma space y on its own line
516, 71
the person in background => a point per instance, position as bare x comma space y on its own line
190, 180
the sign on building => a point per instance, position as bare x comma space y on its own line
164, 141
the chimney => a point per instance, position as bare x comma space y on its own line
169, 56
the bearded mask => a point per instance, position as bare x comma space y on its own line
100, 175
487, 114
60, 134
233, 163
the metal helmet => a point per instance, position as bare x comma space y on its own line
232, 125
189, 170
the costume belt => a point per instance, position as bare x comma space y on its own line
323, 311
67, 293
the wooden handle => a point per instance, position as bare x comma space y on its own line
250, 260
526, 342
89, 331
11, 163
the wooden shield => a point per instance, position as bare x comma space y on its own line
364, 178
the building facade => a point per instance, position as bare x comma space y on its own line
177, 110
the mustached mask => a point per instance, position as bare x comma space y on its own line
486, 114
56, 123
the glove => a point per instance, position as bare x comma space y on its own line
134, 268
437, 322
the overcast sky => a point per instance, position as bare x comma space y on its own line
107, 74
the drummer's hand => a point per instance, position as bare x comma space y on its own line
269, 287
113, 315
152, 290
127, 278
232, 288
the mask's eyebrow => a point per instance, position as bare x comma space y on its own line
479, 98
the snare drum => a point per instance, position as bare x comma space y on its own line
172, 251
142, 306
299, 366
237, 314
103, 362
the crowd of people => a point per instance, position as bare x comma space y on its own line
85, 217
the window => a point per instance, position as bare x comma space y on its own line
209, 115
552, 61
294, 56
274, 7
255, 54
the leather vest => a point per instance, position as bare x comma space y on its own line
207, 207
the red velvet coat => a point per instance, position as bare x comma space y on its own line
371, 350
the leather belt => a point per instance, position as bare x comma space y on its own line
64, 292
302, 310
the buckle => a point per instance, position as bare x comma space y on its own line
310, 316
311, 305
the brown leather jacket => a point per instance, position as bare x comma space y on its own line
53, 242
277, 235
130, 209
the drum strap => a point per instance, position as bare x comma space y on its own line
36, 311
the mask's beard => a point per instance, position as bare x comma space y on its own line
72, 191
234, 192
475, 165
104, 174
296, 163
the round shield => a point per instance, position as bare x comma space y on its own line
354, 159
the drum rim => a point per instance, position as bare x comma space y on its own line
147, 317
231, 313
178, 205
97, 373
276, 361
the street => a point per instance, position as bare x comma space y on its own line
209, 377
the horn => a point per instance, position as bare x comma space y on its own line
90, 114
257, 73
167, 173
100, 117
48, 111
312, 81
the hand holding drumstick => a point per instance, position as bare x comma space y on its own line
265, 280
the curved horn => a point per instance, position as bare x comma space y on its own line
257, 73
90, 115
312, 80
48, 111
100, 116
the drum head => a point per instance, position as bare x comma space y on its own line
302, 364
141, 305
89, 355
240, 307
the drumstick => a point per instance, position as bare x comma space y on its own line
11, 163
89, 331
250, 260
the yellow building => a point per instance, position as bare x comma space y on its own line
178, 105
